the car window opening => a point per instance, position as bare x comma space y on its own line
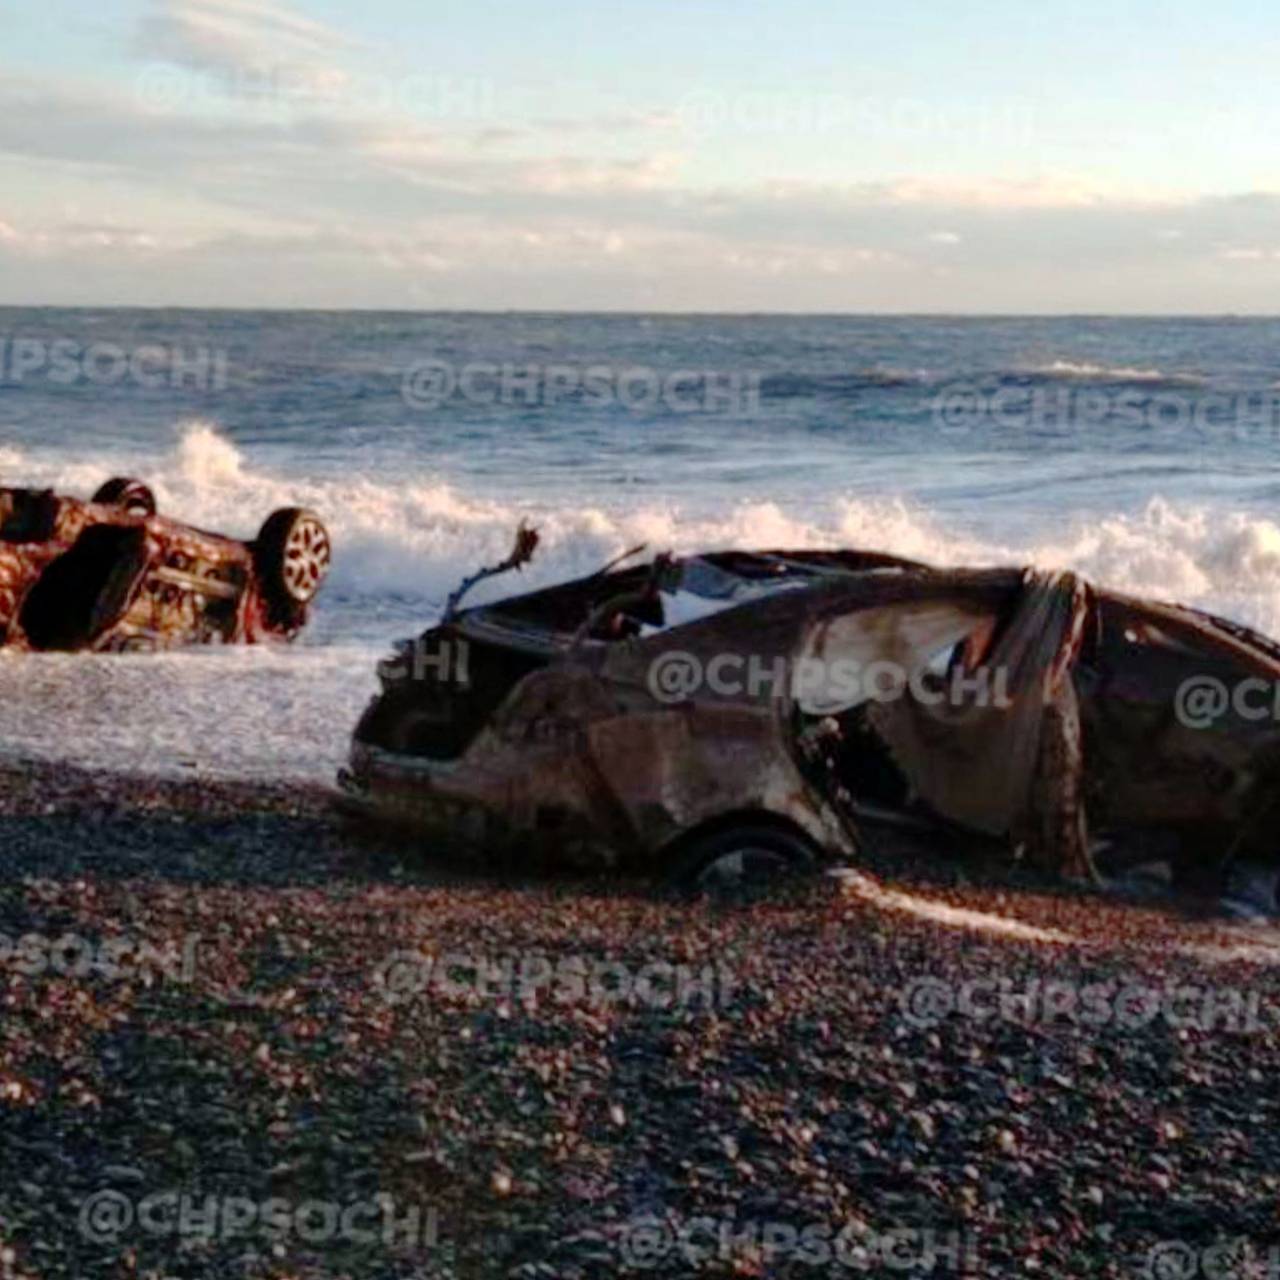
72, 600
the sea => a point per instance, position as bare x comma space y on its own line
1142, 452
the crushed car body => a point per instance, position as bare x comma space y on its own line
726, 714
110, 575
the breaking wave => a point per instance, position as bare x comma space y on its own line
1083, 371
842, 384
403, 544
412, 541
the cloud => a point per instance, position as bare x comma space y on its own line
378, 165
552, 259
623, 122
379, 206
578, 174
245, 42
1248, 255
66, 240
386, 171
1042, 191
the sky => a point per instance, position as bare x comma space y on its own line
675, 155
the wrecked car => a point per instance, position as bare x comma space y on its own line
818, 696
111, 575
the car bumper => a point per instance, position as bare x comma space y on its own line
409, 791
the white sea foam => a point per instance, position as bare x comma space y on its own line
416, 538
402, 546
1258, 945
1085, 371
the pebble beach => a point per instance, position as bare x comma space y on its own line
852, 1076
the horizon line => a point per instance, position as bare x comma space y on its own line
665, 314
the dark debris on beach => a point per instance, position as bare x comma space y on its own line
540, 1130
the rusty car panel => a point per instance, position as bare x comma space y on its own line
559, 734
110, 575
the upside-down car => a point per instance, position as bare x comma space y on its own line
1030, 709
111, 575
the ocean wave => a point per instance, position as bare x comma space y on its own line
1084, 371
784, 386
413, 541
403, 545
888, 376
835, 386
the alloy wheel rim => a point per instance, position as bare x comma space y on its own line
307, 556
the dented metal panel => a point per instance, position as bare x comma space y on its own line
570, 742
110, 575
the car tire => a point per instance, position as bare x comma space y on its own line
293, 554
128, 495
743, 860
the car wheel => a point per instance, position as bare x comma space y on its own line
293, 554
129, 495
743, 860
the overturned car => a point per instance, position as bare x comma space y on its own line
111, 575
737, 714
